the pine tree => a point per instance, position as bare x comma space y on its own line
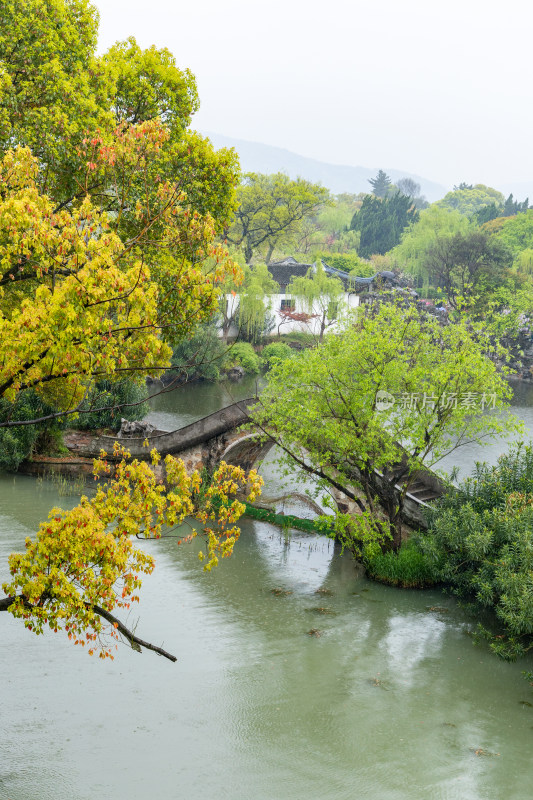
381, 222
380, 184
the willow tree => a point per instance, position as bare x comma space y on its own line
246, 303
321, 296
434, 222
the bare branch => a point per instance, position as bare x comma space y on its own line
133, 640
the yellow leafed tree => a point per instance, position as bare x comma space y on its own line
109, 212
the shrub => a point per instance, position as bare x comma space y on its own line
302, 338
18, 443
200, 356
481, 542
114, 395
408, 567
348, 262
242, 354
275, 351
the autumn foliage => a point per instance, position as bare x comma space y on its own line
77, 302
110, 209
84, 565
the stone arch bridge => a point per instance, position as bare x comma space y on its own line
223, 436
204, 443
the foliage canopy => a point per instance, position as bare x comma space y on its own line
323, 408
270, 212
110, 209
480, 543
381, 222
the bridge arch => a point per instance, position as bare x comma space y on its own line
247, 450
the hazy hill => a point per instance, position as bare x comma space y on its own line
257, 157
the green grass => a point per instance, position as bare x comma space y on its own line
407, 568
283, 520
300, 337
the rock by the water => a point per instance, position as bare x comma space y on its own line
135, 429
235, 373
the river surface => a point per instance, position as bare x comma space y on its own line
390, 701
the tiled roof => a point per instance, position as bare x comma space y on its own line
284, 271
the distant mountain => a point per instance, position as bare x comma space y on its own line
257, 157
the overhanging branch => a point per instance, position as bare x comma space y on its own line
135, 642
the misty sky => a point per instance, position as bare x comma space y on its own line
441, 89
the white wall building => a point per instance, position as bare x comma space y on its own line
283, 272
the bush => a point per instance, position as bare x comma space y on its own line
18, 443
242, 354
200, 356
275, 351
480, 541
114, 395
408, 568
50, 443
302, 338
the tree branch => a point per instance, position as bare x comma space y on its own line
135, 642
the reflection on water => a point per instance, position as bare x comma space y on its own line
386, 699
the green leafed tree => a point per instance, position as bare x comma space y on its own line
469, 200
109, 212
433, 223
270, 213
380, 184
323, 408
468, 267
58, 95
247, 304
516, 232
512, 206
381, 222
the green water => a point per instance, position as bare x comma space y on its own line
390, 702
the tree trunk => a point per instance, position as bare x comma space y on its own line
269, 253
133, 640
226, 325
322, 328
248, 252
